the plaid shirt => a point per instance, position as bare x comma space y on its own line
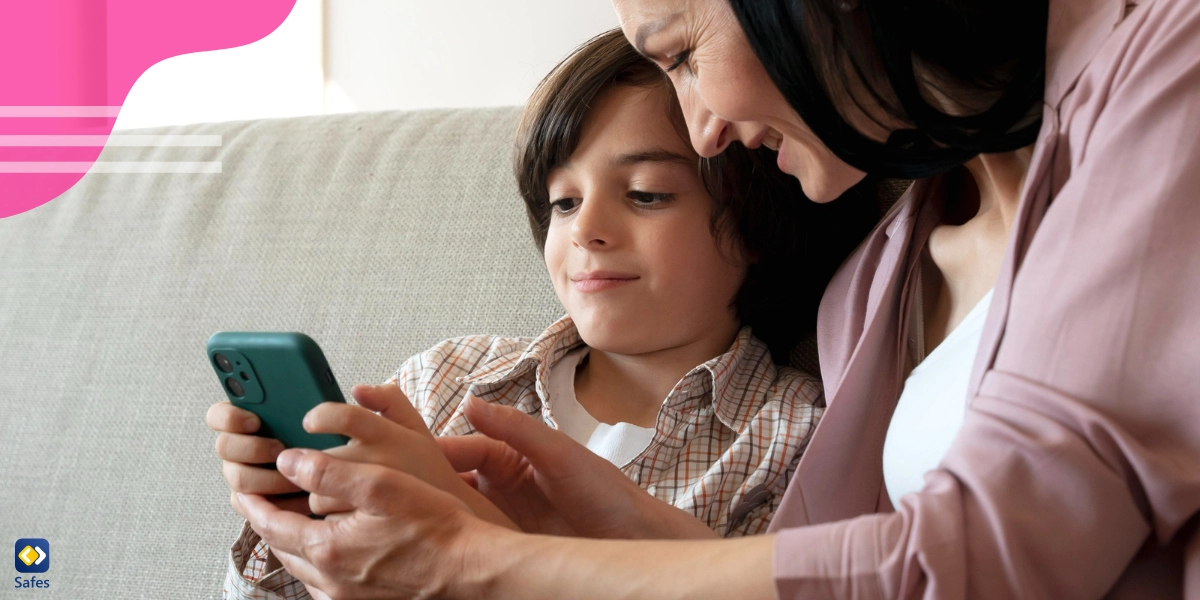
727, 437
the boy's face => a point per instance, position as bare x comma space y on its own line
630, 247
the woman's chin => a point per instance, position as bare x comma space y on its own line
823, 178
817, 190
824, 190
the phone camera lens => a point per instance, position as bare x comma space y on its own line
223, 363
235, 386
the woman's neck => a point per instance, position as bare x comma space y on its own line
999, 179
965, 254
630, 388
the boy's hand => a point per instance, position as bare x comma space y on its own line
242, 453
397, 438
548, 483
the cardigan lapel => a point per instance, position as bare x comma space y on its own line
862, 333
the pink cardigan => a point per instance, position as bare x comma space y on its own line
1077, 470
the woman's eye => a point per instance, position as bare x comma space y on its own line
646, 199
680, 60
565, 205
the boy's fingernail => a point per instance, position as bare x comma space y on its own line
286, 462
250, 424
276, 449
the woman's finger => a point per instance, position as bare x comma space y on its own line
550, 451
225, 417
475, 452
305, 572
390, 402
297, 503
256, 480
356, 422
368, 487
285, 531
249, 449
327, 505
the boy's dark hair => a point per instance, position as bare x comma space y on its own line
794, 245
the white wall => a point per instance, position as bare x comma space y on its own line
387, 54
345, 55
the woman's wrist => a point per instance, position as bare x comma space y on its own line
481, 506
501, 564
490, 561
662, 521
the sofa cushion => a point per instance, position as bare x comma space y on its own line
377, 234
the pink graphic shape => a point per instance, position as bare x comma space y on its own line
63, 61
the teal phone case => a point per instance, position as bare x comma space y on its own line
280, 377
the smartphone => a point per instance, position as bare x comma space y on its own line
278, 376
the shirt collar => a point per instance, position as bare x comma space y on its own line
733, 382
542, 353
1075, 32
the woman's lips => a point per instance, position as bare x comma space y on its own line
598, 281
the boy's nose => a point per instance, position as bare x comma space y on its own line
590, 228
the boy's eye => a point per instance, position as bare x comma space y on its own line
564, 205
649, 198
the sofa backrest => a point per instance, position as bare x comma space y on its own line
377, 234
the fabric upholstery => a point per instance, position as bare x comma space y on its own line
377, 234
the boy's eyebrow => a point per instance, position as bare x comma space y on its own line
649, 29
654, 155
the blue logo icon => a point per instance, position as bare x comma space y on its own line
32, 555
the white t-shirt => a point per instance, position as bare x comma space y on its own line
931, 407
619, 443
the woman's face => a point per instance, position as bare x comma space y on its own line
725, 92
630, 248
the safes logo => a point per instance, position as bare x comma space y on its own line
31, 555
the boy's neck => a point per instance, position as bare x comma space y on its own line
625, 388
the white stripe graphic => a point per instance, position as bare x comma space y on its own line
111, 167
58, 111
208, 141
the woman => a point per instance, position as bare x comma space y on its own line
1075, 472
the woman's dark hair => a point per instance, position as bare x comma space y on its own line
986, 57
795, 245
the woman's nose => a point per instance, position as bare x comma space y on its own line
710, 134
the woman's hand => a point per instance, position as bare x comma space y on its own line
548, 483
406, 539
243, 455
401, 539
396, 438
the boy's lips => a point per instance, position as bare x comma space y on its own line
595, 281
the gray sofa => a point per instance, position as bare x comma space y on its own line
377, 234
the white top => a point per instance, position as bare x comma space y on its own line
618, 444
931, 407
